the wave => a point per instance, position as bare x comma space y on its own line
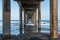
29, 24
45, 24
45, 31
1, 24
17, 24
32, 24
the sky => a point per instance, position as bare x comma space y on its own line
45, 10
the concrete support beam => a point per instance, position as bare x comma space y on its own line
54, 19
6, 19
20, 9
39, 17
35, 21
33, 18
25, 18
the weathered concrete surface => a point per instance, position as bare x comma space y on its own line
6, 19
39, 17
20, 9
54, 18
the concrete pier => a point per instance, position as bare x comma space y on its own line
30, 8
6, 19
39, 17
54, 19
20, 9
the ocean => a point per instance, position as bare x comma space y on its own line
45, 27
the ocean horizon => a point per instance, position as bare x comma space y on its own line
45, 26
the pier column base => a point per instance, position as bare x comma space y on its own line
6, 37
53, 38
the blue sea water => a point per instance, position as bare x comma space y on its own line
45, 26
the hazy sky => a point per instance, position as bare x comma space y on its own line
45, 10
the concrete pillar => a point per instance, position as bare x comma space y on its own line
33, 19
25, 16
54, 19
39, 17
24, 20
6, 19
35, 22
20, 9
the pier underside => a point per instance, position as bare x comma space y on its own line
32, 12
